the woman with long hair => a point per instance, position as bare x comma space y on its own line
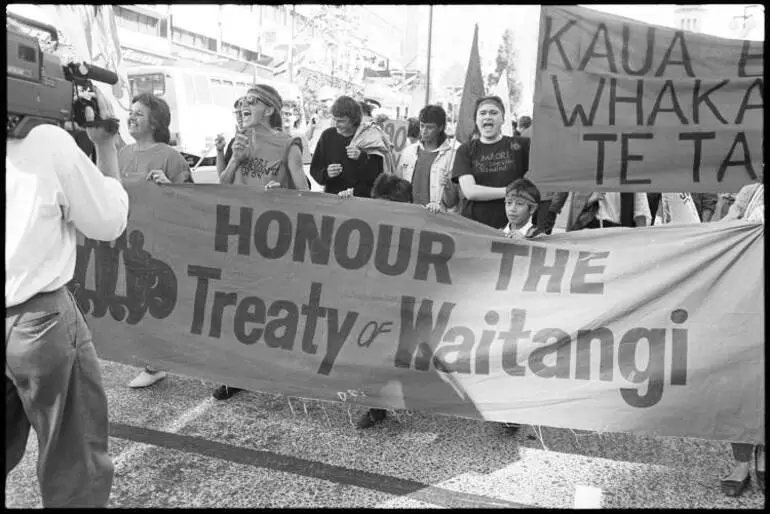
150, 155
263, 154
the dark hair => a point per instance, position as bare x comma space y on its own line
435, 114
413, 129
525, 186
390, 187
366, 109
346, 106
484, 99
160, 116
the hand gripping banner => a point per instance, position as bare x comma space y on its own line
657, 330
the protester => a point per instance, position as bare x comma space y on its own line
485, 166
395, 189
413, 130
427, 164
351, 155
263, 155
152, 157
53, 381
515, 127
522, 199
225, 153
724, 201
749, 203
676, 208
321, 122
749, 206
603, 210
525, 126
291, 123
705, 204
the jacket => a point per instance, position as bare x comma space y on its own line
371, 139
440, 172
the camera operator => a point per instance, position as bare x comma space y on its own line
52, 377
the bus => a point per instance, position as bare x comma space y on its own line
201, 101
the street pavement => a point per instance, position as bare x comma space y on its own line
174, 446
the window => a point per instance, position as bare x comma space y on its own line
137, 22
203, 88
154, 83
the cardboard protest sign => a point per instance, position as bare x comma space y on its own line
383, 304
396, 131
625, 106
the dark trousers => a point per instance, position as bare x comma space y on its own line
743, 452
53, 384
595, 223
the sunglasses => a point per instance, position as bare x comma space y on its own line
251, 100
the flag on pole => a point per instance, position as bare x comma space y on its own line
472, 91
503, 92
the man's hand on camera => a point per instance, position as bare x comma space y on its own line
100, 135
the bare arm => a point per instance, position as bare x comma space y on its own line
228, 175
295, 168
472, 191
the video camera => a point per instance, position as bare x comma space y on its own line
42, 90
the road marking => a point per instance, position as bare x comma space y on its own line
135, 451
587, 497
309, 468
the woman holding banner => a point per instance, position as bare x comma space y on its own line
151, 156
749, 206
485, 166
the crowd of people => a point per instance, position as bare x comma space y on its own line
346, 152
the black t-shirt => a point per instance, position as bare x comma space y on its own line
359, 174
492, 165
229, 151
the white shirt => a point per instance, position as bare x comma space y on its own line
52, 191
609, 207
676, 208
520, 233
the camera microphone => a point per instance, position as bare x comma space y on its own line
89, 71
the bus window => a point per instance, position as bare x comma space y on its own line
154, 83
189, 88
204, 89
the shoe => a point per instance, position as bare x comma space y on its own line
759, 465
734, 484
224, 392
372, 417
145, 379
511, 428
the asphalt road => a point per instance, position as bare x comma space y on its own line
175, 446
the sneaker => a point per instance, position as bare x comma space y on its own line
371, 418
145, 379
224, 392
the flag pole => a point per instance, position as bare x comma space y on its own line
430, 38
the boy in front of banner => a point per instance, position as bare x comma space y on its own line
522, 199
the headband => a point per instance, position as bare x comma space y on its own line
268, 97
523, 194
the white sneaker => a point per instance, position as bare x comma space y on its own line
145, 379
